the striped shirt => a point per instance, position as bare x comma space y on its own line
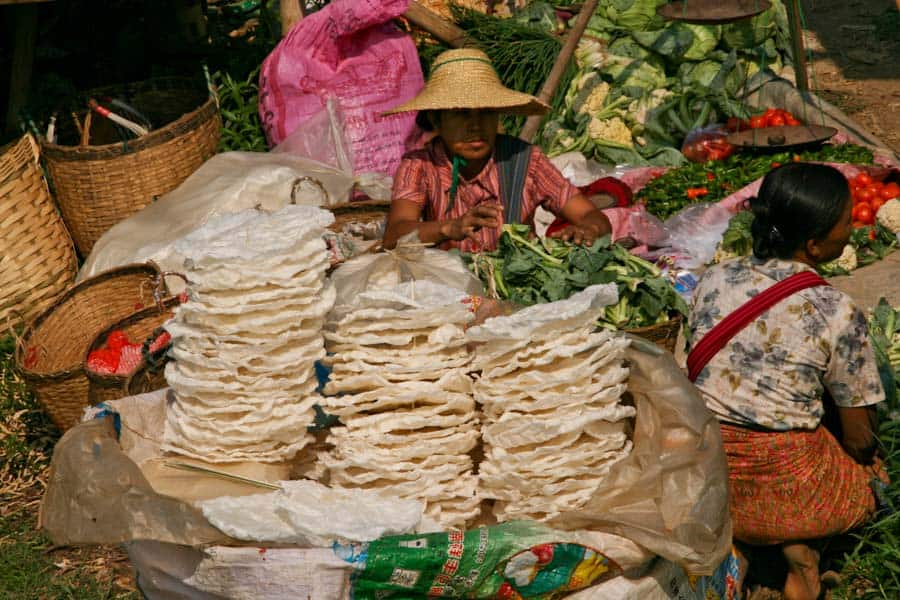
424, 177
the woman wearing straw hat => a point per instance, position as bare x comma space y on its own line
464, 184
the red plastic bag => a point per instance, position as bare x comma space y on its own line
710, 143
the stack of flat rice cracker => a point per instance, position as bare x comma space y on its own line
245, 344
399, 384
550, 389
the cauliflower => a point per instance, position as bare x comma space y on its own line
844, 263
889, 215
596, 99
613, 129
639, 109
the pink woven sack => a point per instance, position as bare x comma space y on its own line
352, 51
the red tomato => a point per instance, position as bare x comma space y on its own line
865, 195
776, 121
857, 224
864, 179
757, 122
864, 214
791, 121
872, 233
776, 164
890, 190
877, 203
770, 111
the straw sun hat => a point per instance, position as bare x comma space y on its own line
465, 78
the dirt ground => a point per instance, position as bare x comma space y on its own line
856, 61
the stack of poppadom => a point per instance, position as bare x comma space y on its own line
550, 389
399, 384
246, 342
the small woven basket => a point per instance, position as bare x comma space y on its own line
98, 186
366, 211
37, 258
664, 335
50, 353
143, 326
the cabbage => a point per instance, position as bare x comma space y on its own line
630, 15
703, 75
681, 41
706, 37
539, 15
626, 46
750, 33
640, 73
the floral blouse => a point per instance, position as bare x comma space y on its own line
773, 373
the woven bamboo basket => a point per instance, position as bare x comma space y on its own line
50, 353
37, 259
97, 186
664, 335
143, 326
365, 211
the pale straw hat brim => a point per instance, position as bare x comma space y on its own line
465, 79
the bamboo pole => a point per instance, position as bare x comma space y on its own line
798, 49
291, 13
559, 67
436, 25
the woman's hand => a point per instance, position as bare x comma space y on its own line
583, 234
858, 437
466, 226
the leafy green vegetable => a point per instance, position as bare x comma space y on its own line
869, 250
706, 37
737, 239
884, 331
666, 195
531, 271
630, 15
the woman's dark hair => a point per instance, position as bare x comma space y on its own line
423, 120
797, 202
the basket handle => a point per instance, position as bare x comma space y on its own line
295, 187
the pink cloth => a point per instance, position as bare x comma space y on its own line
352, 51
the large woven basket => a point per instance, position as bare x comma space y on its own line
37, 259
139, 327
366, 211
664, 335
50, 353
98, 186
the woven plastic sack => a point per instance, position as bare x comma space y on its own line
352, 51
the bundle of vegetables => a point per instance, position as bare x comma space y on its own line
884, 331
532, 271
714, 180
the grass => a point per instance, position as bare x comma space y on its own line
30, 566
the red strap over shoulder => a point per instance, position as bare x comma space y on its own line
730, 326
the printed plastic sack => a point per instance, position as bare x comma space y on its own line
227, 183
670, 495
695, 232
510, 560
410, 261
349, 50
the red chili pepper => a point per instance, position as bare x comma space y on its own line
710, 176
775, 165
696, 192
872, 234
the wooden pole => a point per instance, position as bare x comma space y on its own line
559, 67
291, 13
436, 25
798, 49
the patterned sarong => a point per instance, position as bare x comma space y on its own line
794, 485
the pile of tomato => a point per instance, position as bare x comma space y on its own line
868, 196
773, 117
